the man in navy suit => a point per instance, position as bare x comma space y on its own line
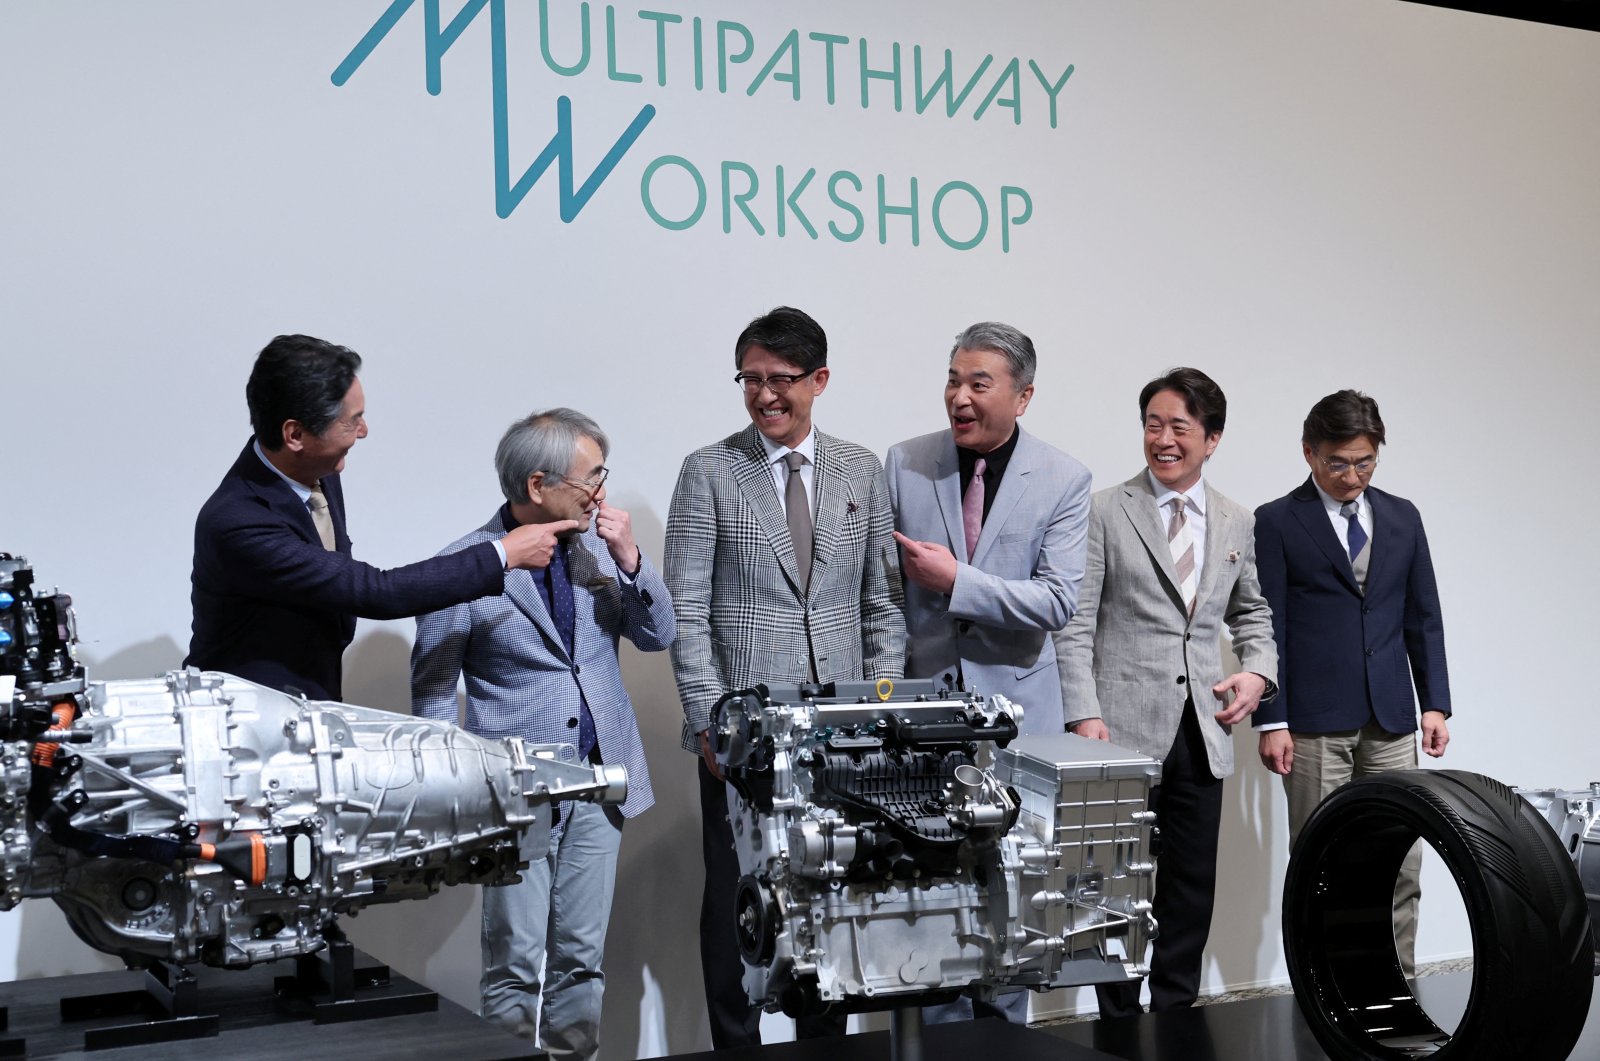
1355, 611
540, 661
275, 590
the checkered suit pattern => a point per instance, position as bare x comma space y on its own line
742, 615
521, 681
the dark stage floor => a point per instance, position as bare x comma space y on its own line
1258, 1029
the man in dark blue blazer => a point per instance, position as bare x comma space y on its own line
275, 590
1355, 611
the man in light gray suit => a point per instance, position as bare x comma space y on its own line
540, 661
780, 561
1170, 563
992, 522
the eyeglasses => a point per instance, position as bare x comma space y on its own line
588, 486
1337, 467
778, 384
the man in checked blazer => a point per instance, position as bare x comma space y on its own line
540, 661
1355, 610
781, 562
1171, 563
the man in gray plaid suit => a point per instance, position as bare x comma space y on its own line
780, 559
540, 661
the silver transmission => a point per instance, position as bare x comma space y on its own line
201, 817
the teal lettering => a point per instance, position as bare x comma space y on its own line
828, 42
891, 75
792, 202
724, 58
661, 19
1011, 75
699, 57
791, 44
884, 210
611, 50
649, 203
1052, 90
849, 208
1007, 218
946, 81
742, 200
544, 40
983, 216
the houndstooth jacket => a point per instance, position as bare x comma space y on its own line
730, 567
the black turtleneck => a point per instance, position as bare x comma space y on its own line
994, 468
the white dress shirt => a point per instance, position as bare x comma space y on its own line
780, 471
1194, 511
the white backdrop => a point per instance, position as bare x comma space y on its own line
1295, 195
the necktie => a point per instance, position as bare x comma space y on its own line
972, 507
1180, 539
321, 517
565, 613
1356, 537
798, 508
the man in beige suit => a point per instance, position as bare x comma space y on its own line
1171, 561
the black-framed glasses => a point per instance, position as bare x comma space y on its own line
588, 486
1339, 467
778, 383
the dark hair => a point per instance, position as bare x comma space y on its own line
1202, 396
788, 333
298, 377
1004, 340
1341, 416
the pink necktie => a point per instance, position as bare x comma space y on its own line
972, 508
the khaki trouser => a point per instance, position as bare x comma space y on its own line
1323, 762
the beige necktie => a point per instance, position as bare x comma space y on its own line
318, 504
798, 509
1180, 539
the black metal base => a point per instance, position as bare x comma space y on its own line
341, 1004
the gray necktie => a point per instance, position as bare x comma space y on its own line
318, 504
798, 508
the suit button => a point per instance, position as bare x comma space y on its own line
1365, 609
1181, 679
1186, 636
1372, 652
576, 669
963, 626
572, 723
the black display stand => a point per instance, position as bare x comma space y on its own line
337, 1003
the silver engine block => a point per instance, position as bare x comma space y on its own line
1575, 817
201, 817
900, 844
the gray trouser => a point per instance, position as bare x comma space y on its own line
1323, 762
554, 921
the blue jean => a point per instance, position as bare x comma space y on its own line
554, 921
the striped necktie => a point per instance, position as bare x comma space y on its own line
1180, 539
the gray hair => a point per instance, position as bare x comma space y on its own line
1001, 339
546, 442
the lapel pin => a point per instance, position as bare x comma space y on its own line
850, 506
1233, 556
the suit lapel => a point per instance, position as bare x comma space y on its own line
1219, 531
1139, 504
1012, 486
1375, 543
1313, 516
947, 488
521, 591
754, 476
832, 500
